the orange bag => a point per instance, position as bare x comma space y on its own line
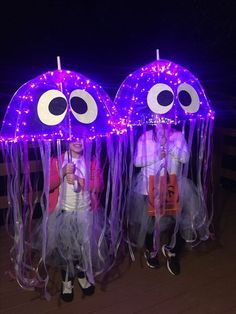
168, 195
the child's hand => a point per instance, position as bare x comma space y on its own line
68, 168
163, 154
70, 178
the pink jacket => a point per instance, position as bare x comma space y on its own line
96, 183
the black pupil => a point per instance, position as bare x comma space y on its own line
165, 98
79, 105
57, 106
184, 98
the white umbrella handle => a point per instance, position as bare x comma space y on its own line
75, 186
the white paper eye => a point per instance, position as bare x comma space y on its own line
188, 98
83, 106
52, 107
160, 98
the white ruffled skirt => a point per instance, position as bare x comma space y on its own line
76, 240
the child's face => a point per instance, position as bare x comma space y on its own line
77, 147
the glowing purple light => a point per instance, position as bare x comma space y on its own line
143, 96
93, 111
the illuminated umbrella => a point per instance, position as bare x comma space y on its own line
58, 104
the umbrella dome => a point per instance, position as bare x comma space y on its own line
161, 91
59, 104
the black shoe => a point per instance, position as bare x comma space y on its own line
172, 261
151, 261
67, 291
85, 285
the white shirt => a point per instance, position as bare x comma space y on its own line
72, 198
148, 157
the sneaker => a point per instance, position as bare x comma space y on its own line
67, 291
151, 261
172, 261
85, 285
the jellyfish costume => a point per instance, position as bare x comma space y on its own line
44, 116
169, 125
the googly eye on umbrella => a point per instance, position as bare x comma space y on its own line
169, 123
51, 119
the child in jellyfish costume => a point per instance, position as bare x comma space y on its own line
169, 126
62, 119
72, 206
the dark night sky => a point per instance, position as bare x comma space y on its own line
107, 40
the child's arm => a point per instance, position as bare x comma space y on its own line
96, 177
54, 175
178, 148
96, 183
147, 152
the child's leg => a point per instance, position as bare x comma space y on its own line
149, 241
67, 288
86, 287
170, 251
150, 253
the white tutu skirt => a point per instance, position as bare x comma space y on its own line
76, 241
191, 222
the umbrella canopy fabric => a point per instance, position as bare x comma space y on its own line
161, 91
59, 104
